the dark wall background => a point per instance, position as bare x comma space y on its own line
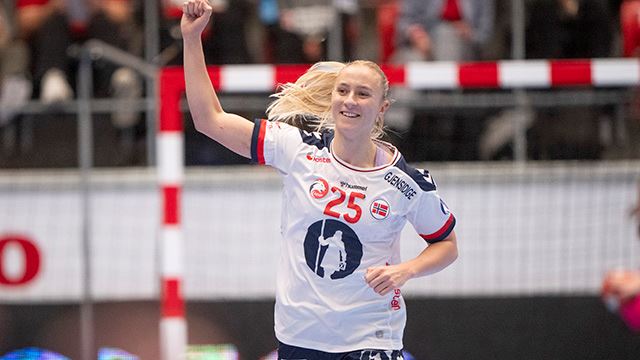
437, 328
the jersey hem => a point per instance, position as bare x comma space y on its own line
363, 345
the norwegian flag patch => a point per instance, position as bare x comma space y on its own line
379, 209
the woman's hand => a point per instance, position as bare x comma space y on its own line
384, 279
420, 40
434, 258
195, 16
623, 284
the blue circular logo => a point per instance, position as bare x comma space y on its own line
332, 249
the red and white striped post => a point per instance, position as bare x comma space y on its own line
170, 151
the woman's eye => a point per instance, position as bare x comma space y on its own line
342, 91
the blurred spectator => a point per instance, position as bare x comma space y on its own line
225, 39
441, 30
15, 87
386, 17
44, 25
453, 30
51, 26
299, 31
269, 17
227, 42
569, 29
630, 27
113, 22
348, 17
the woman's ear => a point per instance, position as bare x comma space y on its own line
385, 106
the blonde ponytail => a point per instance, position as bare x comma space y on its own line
307, 101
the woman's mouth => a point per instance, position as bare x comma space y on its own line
349, 114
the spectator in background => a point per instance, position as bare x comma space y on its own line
304, 27
302, 30
387, 12
44, 25
348, 17
224, 40
51, 26
569, 29
630, 27
227, 41
441, 30
15, 87
113, 22
453, 30
268, 14
565, 29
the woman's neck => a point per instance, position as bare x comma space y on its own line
357, 153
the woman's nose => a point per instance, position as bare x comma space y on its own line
350, 99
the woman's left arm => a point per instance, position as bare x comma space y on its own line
434, 258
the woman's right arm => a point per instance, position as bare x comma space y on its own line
230, 130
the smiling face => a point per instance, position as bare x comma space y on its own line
358, 101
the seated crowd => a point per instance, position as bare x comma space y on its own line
35, 36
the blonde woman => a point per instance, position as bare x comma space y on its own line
340, 180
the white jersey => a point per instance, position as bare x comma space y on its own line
337, 221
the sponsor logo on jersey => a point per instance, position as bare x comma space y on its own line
427, 176
395, 301
319, 188
401, 185
332, 249
444, 207
345, 184
271, 124
315, 158
379, 209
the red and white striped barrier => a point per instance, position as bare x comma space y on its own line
508, 74
265, 78
523, 74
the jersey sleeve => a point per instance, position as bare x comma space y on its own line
274, 143
431, 217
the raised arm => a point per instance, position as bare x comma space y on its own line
231, 130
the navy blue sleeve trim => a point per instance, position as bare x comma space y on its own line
254, 140
446, 232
